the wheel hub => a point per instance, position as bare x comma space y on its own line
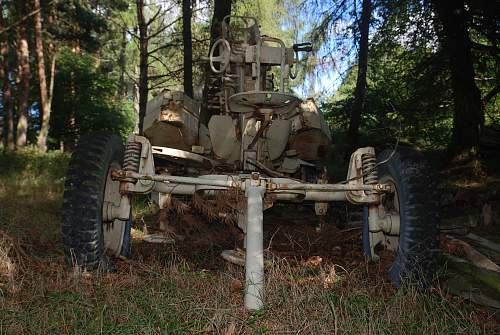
384, 220
113, 213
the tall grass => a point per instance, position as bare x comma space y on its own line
166, 294
33, 169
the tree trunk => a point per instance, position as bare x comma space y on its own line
222, 8
188, 47
6, 91
3, 115
52, 56
468, 117
24, 81
122, 89
52, 79
136, 99
143, 63
7, 105
44, 101
360, 90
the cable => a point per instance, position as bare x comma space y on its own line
385, 160
261, 166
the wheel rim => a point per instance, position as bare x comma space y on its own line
113, 231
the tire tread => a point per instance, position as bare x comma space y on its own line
82, 200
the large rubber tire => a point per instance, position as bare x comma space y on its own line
83, 229
416, 256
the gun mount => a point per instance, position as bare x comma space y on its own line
262, 143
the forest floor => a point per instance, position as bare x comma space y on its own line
318, 282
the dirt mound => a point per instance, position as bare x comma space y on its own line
290, 232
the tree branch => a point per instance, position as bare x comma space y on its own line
151, 20
162, 29
490, 95
131, 77
24, 18
159, 76
167, 45
483, 47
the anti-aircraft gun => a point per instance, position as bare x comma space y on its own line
262, 145
254, 126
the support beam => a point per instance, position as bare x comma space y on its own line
254, 259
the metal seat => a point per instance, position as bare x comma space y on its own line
253, 101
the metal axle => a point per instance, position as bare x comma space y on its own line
272, 184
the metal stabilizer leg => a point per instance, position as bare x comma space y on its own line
254, 260
375, 235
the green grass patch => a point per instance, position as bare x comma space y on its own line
30, 168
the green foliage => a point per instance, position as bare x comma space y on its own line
81, 23
272, 15
408, 91
84, 100
408, 82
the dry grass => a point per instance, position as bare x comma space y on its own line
8, 268
167, 294
167, 297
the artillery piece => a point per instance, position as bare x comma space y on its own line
261, 143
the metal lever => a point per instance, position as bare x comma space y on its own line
306, 47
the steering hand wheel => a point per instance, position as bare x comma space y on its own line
224, 55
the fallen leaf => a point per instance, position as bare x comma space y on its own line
236, 285
313, 261
331, 278
229, 330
